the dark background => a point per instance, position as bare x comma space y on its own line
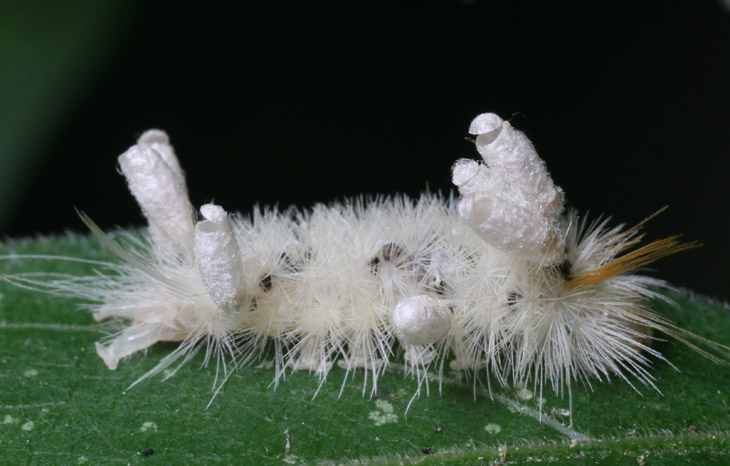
628, 103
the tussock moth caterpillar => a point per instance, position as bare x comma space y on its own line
501, 282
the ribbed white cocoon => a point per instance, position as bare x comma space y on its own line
218, 259
511, 201
157, 182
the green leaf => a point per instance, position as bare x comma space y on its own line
60, 405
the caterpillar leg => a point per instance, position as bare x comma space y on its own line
312, 356
361, 356
419, 355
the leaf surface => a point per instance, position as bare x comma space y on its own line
60, 405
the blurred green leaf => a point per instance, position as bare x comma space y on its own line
50, 53
60, 405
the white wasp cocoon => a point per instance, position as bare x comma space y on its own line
158, 183
500, 283
218, 259
421, 320
512, 201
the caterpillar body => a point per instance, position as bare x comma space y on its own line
500, 282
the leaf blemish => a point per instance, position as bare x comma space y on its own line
384, 414
148, 426
523, 393
493, 428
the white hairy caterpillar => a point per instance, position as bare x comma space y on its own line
501, 282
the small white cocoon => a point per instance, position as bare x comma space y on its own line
218, 259
511, 201
421, 320
158, 184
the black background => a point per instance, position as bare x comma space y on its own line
628, 103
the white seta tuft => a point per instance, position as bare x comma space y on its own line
482, 283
